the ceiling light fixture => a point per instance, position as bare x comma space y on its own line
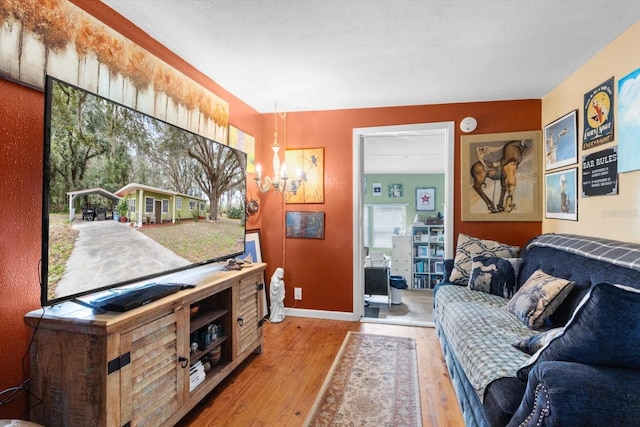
280, 181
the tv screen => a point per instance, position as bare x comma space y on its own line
128, 197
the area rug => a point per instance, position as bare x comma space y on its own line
373, 382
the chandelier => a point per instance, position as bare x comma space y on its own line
281, 180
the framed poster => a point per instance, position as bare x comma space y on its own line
426, 199
600, 173
252, 249
598, 115
305, 225
516, 156
561, 141
628, 124
305, 183
561, 190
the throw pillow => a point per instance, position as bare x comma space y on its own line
604, 330
535, 342
493, 275
515, 263
468, 247
538, 297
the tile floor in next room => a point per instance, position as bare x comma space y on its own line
416, 308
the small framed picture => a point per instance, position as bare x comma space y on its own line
305, 225
561, 190
395, 190
377, 189
561, 141
252, 250
426, 199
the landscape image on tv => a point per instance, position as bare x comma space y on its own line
129, 197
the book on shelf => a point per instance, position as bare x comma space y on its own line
196, 375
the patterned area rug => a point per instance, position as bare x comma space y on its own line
373, 382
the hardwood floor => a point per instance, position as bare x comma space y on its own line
279, 386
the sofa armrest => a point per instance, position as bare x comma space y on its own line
572, 394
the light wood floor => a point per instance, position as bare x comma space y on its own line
279, 386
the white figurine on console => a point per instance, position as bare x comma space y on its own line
276, 291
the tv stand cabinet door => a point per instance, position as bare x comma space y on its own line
153, 383
250, 312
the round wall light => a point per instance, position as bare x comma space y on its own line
468, 124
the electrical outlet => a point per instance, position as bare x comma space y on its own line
297, 293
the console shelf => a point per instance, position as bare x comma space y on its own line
203, 318
198, 354
134, 368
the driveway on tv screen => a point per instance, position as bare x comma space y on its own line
105, 252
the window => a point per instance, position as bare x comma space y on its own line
165, 206
148, 204
179, 203
132, 205
193, 205
202, 207
385, 221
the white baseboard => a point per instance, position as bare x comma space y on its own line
321, 314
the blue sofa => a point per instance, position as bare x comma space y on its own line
571, 382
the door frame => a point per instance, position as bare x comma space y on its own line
359, 136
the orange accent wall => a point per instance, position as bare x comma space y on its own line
21, 137
21, 111
323, 268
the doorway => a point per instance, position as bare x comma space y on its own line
443, 132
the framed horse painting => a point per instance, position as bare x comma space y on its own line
501, 176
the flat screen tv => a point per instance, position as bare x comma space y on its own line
128, 198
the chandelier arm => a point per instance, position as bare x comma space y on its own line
263, 185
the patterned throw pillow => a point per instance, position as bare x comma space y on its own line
603, 330
536, 342
538, 298
469, 247
493, 275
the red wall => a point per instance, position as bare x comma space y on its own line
323, 268
21, 136
21, 112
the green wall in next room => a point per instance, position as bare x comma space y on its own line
409, 184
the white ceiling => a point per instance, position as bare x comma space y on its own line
405, 153
305, 55
333, 54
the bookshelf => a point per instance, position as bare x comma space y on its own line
427, 255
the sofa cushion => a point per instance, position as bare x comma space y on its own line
604, 330
494, 275
468, 247
584, 272
540, 295
480, 332
535, 342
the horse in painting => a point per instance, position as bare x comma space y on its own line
504, 171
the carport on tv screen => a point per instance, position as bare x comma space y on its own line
128, 198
